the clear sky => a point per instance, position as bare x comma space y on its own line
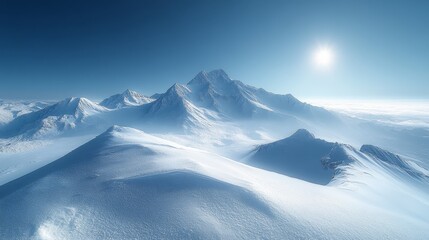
60, 48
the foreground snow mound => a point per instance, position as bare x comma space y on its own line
125, 99
52, 120
128, 184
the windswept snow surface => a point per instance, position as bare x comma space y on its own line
128, 184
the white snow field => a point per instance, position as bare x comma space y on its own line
129, 184
211, 159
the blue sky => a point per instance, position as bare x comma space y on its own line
54, 49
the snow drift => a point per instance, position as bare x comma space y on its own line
129, 184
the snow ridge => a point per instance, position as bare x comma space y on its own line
315, 160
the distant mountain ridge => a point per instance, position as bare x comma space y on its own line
216, 90
209, 96
215, 96
54, 119
125, 99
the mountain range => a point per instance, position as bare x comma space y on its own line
209, 96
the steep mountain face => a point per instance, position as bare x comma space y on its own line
174, 107
156, 96
216, 91
125, 99
52, 120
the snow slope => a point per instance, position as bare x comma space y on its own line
128, 184
299, 156
175, 110
125, 99
315, 160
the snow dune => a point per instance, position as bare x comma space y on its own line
129, 184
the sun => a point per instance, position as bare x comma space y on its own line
323, 57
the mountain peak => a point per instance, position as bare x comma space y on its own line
302, 134
178, 89
212, 77
75, 102
218, 73
76, 106
129, 92
131, 95
125, 99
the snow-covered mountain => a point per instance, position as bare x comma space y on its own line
127, 184
315, 160
174, 108
299, 156
156, 95
216, 90
125, 99
214, 96
209, 98
52, 120
12, 109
